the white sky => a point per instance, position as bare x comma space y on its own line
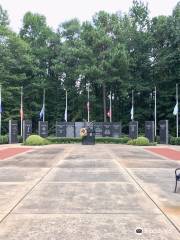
58, 11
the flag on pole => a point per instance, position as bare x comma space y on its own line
132, 108
88, 106
175, 112
109, 113
132, 113
1, 109
41, 114
21, 113
65, 114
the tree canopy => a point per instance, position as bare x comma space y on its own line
112, 52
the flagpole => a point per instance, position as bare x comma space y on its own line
21, 112
66, 107
88, 102
177, 117
133, 104
1, 109
110, 99
44, 95
155, 113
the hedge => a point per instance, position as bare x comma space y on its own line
61, 140
174, 141
122, 140
4, 139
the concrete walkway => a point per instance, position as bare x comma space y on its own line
101, 192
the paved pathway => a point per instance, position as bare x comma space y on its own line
101, 192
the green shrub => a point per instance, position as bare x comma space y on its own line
174, 141
63, 140
36, 140
157, 139
124, 139
60, 140
20, 139
140, 141
112, 140
131, 142
4, 139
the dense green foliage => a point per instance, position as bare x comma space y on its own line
140, 141
55, 140
4, 139
36, 140
174, 141
113, 52
122, 140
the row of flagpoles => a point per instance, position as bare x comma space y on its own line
175, 111
41, 115
109, 113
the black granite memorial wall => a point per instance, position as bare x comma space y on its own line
163, 132
43, 129
13, 131
149, 130
60, 129
133, 129
27, 129
70, 129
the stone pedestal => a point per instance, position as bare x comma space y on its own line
43, 129
133, 129
13, 131
27, 129
149, 130
164, 131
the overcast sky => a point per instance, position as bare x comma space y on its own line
58, 11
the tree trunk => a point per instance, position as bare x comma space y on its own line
104, 102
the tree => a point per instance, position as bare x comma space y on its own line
4, 20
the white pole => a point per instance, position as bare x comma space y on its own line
177, 117
88, 102
110, 99
66, 108
21, 111
155, 113
1, 109
44, 104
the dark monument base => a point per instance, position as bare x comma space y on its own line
88, 140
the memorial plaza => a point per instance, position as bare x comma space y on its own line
78, 192
89, 120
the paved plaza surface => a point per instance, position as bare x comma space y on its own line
101, 192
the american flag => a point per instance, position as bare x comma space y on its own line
109, 113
